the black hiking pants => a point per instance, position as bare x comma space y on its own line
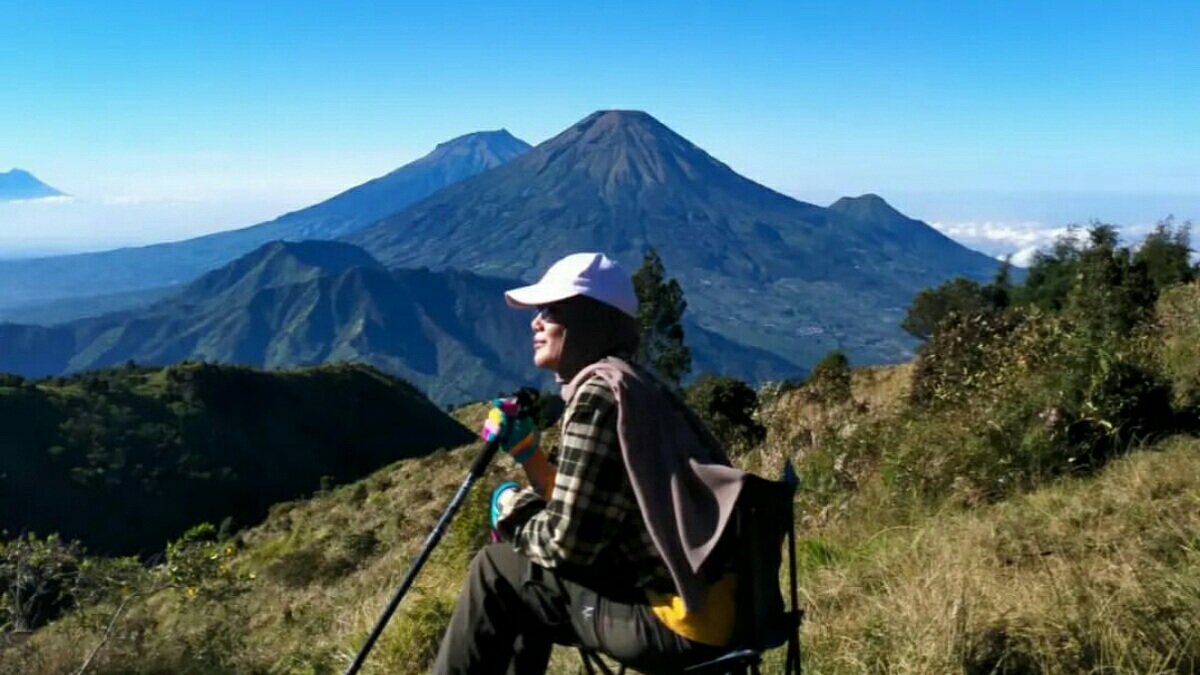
511, 612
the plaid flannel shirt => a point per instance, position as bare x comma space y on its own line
592, 518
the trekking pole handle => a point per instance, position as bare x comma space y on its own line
480, 465
526, 397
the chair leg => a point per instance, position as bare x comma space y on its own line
587, 662
592, 661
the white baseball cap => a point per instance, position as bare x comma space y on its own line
592, 274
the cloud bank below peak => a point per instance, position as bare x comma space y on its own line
1023, 239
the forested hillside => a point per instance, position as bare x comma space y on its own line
127, 459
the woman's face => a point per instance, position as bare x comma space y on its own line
548, 338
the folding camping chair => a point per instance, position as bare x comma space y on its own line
763, 521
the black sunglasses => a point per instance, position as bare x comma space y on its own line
549, 313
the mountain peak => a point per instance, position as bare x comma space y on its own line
282, 262
20, 184
621, 151
494, 136
605, 122
615, 117
869, 206
485, 148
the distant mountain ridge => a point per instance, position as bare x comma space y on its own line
760, 270
25, 282
449, 163
291, 304
757, 266
18, 184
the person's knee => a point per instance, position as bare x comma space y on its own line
497, 563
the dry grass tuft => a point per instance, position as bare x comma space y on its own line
1090, 576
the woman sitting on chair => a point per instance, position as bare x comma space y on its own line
614, 548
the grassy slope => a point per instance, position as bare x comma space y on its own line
1090, 575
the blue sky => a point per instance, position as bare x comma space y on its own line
169, 119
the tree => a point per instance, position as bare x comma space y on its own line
830, 380
1112, 293
727, 406
1052, 274
1166, 252
999, 292
960, 297
660, 313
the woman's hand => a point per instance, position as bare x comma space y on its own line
518, 436
502, 501
516, 433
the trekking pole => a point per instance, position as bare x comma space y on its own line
475, 473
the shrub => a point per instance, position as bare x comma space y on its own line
829, 381
962, 358
727, 406
1008, 401
959, 297
37, 577
360, 546
1178, 313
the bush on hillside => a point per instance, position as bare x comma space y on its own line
1119, 283
1007, 401
959, 298
727, 406
1113, 291
1058, 384
1178, 313
962, 358
1052, 274
11, 380
42, 579
37, 576
829, 381
1165, 253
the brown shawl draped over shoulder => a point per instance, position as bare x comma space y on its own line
681, 477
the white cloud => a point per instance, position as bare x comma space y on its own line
135, 200
57, 199
1001, 238
1019, 233
1024, 257
1021, 239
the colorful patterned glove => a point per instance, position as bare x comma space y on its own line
517, 435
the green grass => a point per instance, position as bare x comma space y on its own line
1089, 575
1096, 574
